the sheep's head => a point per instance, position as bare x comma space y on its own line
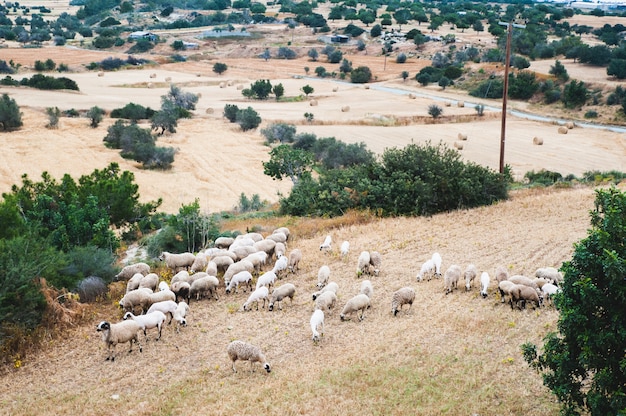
127, 315
103, 326
394, 311
267, 368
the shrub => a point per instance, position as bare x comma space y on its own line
591, 114
543, 177
219, 68
132, 111
230, 112
552, 96
248, 119
10, 115
53, 114
320, 71
286, 53
490, 88
280, 132
434, 110
575, 94
361, 75
401, 58
94, 114
178, 45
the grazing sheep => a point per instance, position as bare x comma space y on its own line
119, 333
323, 274
317, 321
505, 287
180, 315
501, 274
358, 303
150, 281
345, 248
427, 270
256, 237
161, 296
266, 246
134, 298
129, 271
549, 290
294, 260
150, 320
523, 280
326, 300
288, 290
367, 289
239, 350
181, 290
266, 279
283, 230
200, 263
222, 263
204, 286
168, 307
484, 284
363, 263
522, 294
551, 274
181, 276
258, 259
278, 237
376, 261
235, 268
241, 252
451, 278
223, 242
470, 274
280, 250
400, 297
540, 281
244, 277
163, 286
280, 266
326, 245
176, 261
211, 268
133, 282
436, 258
331, 287
261, 293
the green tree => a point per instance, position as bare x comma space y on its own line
434, 110
523, 85
248, 119
230, 112
559, 71
278, 90
320, 71
10, 115
361, 75
286, 161
335, 56
404, 75
166, 119
307, 89
376, 31
575, 94
279, 132
261, 89
95, 115
180, 99
584, 364
219, 68
478, 26
53, 114
178, 45
617, 68
313, 54
444, 82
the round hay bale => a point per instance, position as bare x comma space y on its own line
153, 75
412, 96
198, 75
537, 140
563, 130
367, 87
150, 85
345, 108
240, 87
448, 104
569, 125
168, 79
100, 74
313, 103
462, 136
335, 89
460, 104
458, 145
209, 111
230, 83
222, 85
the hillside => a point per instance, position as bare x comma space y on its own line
454, 354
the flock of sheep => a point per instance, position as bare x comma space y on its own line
254, 263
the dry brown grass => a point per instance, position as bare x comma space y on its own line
454, 354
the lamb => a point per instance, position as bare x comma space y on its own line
200, 263
326, 300
367, 289
266, 279
376, 261
133, 282
451, 278
179, 315
235, 268
223, 242
549, 290
281, 265
470, 274
203, 286
317, 321
501, 274
400, 297
358, 303
551, 274
326, 245
294, 260
129, 271
331, 287
505, 287
239, 350
278, 237
323, 274
168, 307
436, 258
521, 294
150, 281
134, 298
484, 284
244, 277
119, 333
181, 290
261, 293
345, 248
427, 270
288, 290
175, 261
523, 280
363, 263
150, 320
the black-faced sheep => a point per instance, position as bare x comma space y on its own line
358, 303
403, 296
330, 287
317, 321
326, 244
505, 287
181, 290
239, 350
241, 278
288, 290
177, 261
129, 271
261, 293
119, 333
451, 278
150, 320
484, 284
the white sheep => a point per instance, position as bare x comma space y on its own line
278, 237
523, 280
326, 300
150, 281
505, 287
326, 245
129, 271
223, 242
436, 258
288, 290
199, 263
345, 248
163, 286
501, 274
266, 246
150, 320
176, 261
280, 250
258, 260
376, 261
239, 350
549, 290
363, 263
358, 303
222, 263
330, 287
180, 315
181, 290
317, 321
426, 271
367, 289
283, 230
261, 293
181, 276
161, 296
551, 274
237, 267
256, 237
266, 279
281, 265
119, 333
403, 296
323, 274
451, 278
484, 284
244, 277
211, 268
133, 282
294, 260
134, 298
204, 286
470, 274
168, 307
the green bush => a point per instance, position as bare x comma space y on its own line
230, 112
543, 177
361, 75
132, 111
10, 115
491, 88
248, 119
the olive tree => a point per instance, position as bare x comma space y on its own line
10, 115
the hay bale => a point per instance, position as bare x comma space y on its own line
367, 87
199, 95
447, 103
412, 96
230, 83
222, 85
460, 104
345, 108
569, 125
537, 140
240, 87
209, 111
100, 74
168, 79
335, 89
153, 75
313, 103
150, 85
563, 130
462, 136
458, 145
198, 75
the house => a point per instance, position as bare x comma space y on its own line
143, 35
340, 38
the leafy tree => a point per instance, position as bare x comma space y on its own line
401, 58
617, 68
307, 89
53, 117
361, 75
133, 112
335, 56
286, 53
559, 71
583, 364
278, 90
523, 85
520, 62
423, 79
345, 67
281, 132
575, 94
404, 75
434, 110
444, 82
478, 26
180, 99
230, 112
320, 71
376, 31
313, 54
95, 115
219, 68
266, 54
248, 119
10, 115
261, 89
166, 119
286, 161
402, 17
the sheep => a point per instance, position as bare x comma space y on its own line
200, 263
436, 258
222, 262
279, 250
323, 274
484, 284
267, 246
119, 333
239, 350
150, 320
161, 296
241, 252
345, 248
470, 275
203, 286
241, 277
223, 242
427, 270
505, 287
163, 286
330, 287
551, 274
521, 294
237, 267
451, 278
317, 321
150, 281
326, 245
129, 271
501, 274
215, 252
367, 289
181, 290
211, 268
168, 307
326, 300
363, 263
257, 259
376, 261
400, 297
523, 280
358, 303
541, 281
281, 265
256, 237
179, 315
266, 279
294, 260
283, 230
134, 298
288, 290
259, 294
133, 282
181, 276
549, 290
175, 261
278, 237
